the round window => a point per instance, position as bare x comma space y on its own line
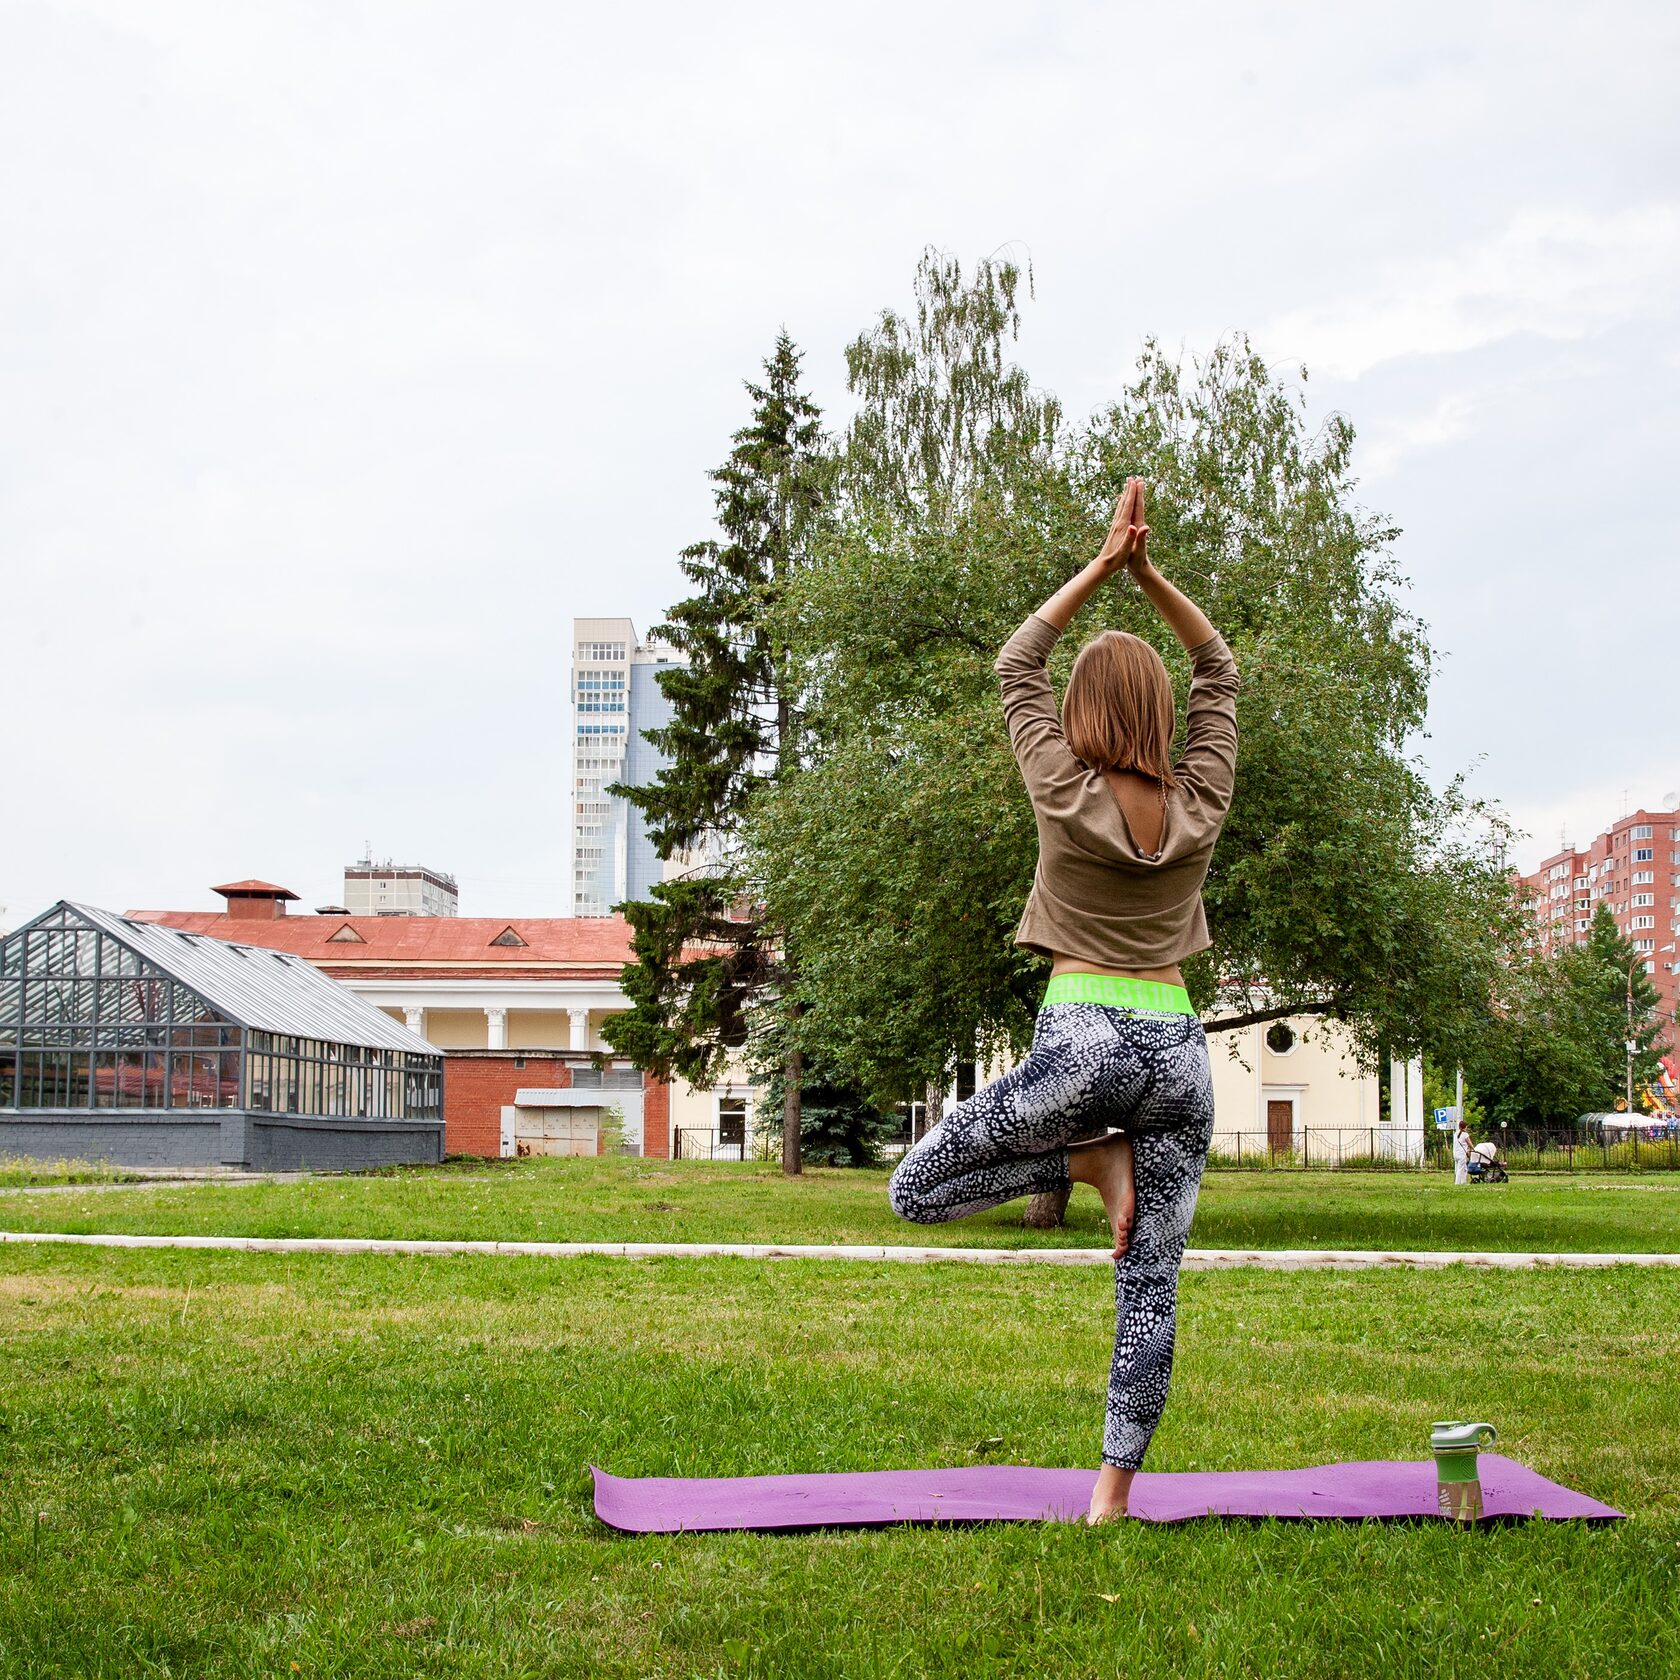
1280, 1038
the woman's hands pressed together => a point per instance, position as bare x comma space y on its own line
1127, 543
1126, 548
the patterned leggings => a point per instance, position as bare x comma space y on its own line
1091, 1065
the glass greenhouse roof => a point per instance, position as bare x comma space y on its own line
268, 991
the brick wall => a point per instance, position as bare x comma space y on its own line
475, 1089
656, 1118
477, 1086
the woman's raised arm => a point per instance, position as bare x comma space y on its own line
1183, 617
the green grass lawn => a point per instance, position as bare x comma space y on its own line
17, 1170
249, 1465
620, 1199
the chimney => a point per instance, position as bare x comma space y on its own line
254, 901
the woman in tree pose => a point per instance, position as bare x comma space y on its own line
1124, 840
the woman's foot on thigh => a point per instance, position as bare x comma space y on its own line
1109, 1169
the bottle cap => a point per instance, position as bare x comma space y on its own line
1454, 1436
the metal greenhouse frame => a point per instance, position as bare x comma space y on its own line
145, 1045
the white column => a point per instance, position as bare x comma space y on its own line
496, 1020
1258, 1053
579, 1019
1414, 1110
415, 1021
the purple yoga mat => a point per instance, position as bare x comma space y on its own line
1020, 1493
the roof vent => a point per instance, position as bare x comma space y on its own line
508, 937
346, 935
254, 901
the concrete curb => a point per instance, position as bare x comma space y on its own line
1195, 1259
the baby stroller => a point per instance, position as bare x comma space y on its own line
1486, 1165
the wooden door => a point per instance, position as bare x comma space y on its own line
1280, 1126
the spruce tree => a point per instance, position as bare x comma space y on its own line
839, 1127
1621, 975
703, 953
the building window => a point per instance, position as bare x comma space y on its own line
732, 1121
1280, 1038
1642, 831
1643, 854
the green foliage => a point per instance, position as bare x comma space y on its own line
694, 969
1554, 1046
698, 964
729, 726
837, 1127
899, 858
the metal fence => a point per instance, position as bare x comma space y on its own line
1390, 1149
1324, 1148
708, 1143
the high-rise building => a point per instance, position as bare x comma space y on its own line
391, 889
1633, 869
615, 697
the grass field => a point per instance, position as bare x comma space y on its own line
621, 1199
242, 1465
17, 1170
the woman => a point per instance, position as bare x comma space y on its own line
1124, 839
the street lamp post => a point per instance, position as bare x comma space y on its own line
1637, 959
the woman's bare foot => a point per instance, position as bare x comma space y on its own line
1110, 1496
1107, 1167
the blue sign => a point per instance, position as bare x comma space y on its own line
1446, 1119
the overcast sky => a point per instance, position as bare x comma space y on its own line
350, 350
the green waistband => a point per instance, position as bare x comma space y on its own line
1119, 991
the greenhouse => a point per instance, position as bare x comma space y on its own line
143, 1045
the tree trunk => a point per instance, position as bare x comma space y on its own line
792, 1075
1044, 1211
933, 1106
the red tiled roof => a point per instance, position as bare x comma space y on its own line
256, 889
446, 942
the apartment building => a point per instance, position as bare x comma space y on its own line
391, 889
1633, 869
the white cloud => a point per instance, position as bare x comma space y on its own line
1559, 274
1383, 445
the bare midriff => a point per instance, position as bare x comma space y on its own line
1061, 963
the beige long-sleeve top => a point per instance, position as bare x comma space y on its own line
1095, 894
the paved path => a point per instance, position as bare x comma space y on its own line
1195, 1260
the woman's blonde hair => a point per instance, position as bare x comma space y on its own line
1118, 713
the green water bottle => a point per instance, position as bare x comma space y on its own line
1458, 1488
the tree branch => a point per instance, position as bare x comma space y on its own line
1230, 1023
